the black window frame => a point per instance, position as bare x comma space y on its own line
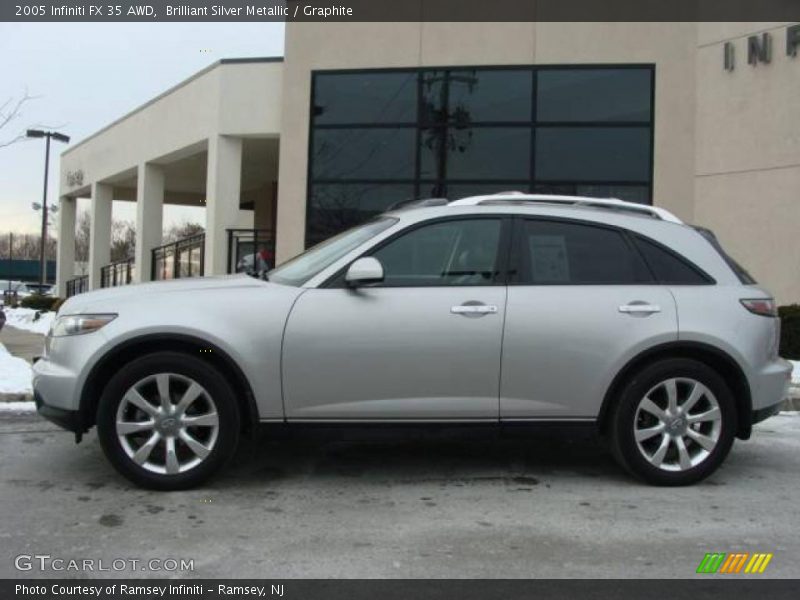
502, 262
436, 186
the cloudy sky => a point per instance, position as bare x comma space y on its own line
85, 75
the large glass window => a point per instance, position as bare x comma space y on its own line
381, 137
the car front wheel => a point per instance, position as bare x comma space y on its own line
168, 421
674, 423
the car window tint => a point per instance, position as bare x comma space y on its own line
667, 267
559, 253
448, 253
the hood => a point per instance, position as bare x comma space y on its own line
101, 298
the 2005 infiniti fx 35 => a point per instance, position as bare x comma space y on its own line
493, 309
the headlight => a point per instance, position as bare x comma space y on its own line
79, 324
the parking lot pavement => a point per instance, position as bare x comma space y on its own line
452, 504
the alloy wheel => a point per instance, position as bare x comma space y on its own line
167, 423
677, 424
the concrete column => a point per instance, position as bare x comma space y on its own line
65, 262
223, 189
100, 236
149, 217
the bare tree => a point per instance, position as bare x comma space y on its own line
26, 246
123, 240
181, 231
83, 231
10, 111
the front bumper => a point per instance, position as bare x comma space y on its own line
71, 420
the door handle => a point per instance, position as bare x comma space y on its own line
640, 308
474, 309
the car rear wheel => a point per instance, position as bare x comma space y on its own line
168, 421
674, 423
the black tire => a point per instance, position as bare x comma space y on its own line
217, 388
622, 436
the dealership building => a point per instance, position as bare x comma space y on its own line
702, 119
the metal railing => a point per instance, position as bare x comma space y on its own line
117, 273
184, 258
250, 250
78, 285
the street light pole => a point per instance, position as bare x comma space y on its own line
38, 133
42, 258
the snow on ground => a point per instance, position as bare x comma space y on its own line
15, 374
25, 318
17, 407
796, 371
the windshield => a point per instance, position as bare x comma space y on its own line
304, 266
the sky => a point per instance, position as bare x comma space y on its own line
85, 75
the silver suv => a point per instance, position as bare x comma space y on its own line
490, 309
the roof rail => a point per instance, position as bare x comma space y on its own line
609, 203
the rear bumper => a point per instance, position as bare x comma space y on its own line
770, 386
762, 414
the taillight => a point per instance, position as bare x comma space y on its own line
765, 307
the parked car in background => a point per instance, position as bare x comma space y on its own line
495, 309
28, 289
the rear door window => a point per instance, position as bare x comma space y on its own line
550, 252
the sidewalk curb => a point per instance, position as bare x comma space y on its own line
16, 397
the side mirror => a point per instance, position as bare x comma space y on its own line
363, 271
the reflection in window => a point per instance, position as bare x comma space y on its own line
463, 97
364, 153
365, 98
444, 253
476, 153
423, 133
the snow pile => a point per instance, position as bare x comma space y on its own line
15, 374
25, 318
795, 372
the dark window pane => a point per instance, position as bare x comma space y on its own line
336, 207
629, 193
667, 267
568, 254
593, 95
476, 153
593, 153
364, 153
365, 98
448, 253
496, 95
